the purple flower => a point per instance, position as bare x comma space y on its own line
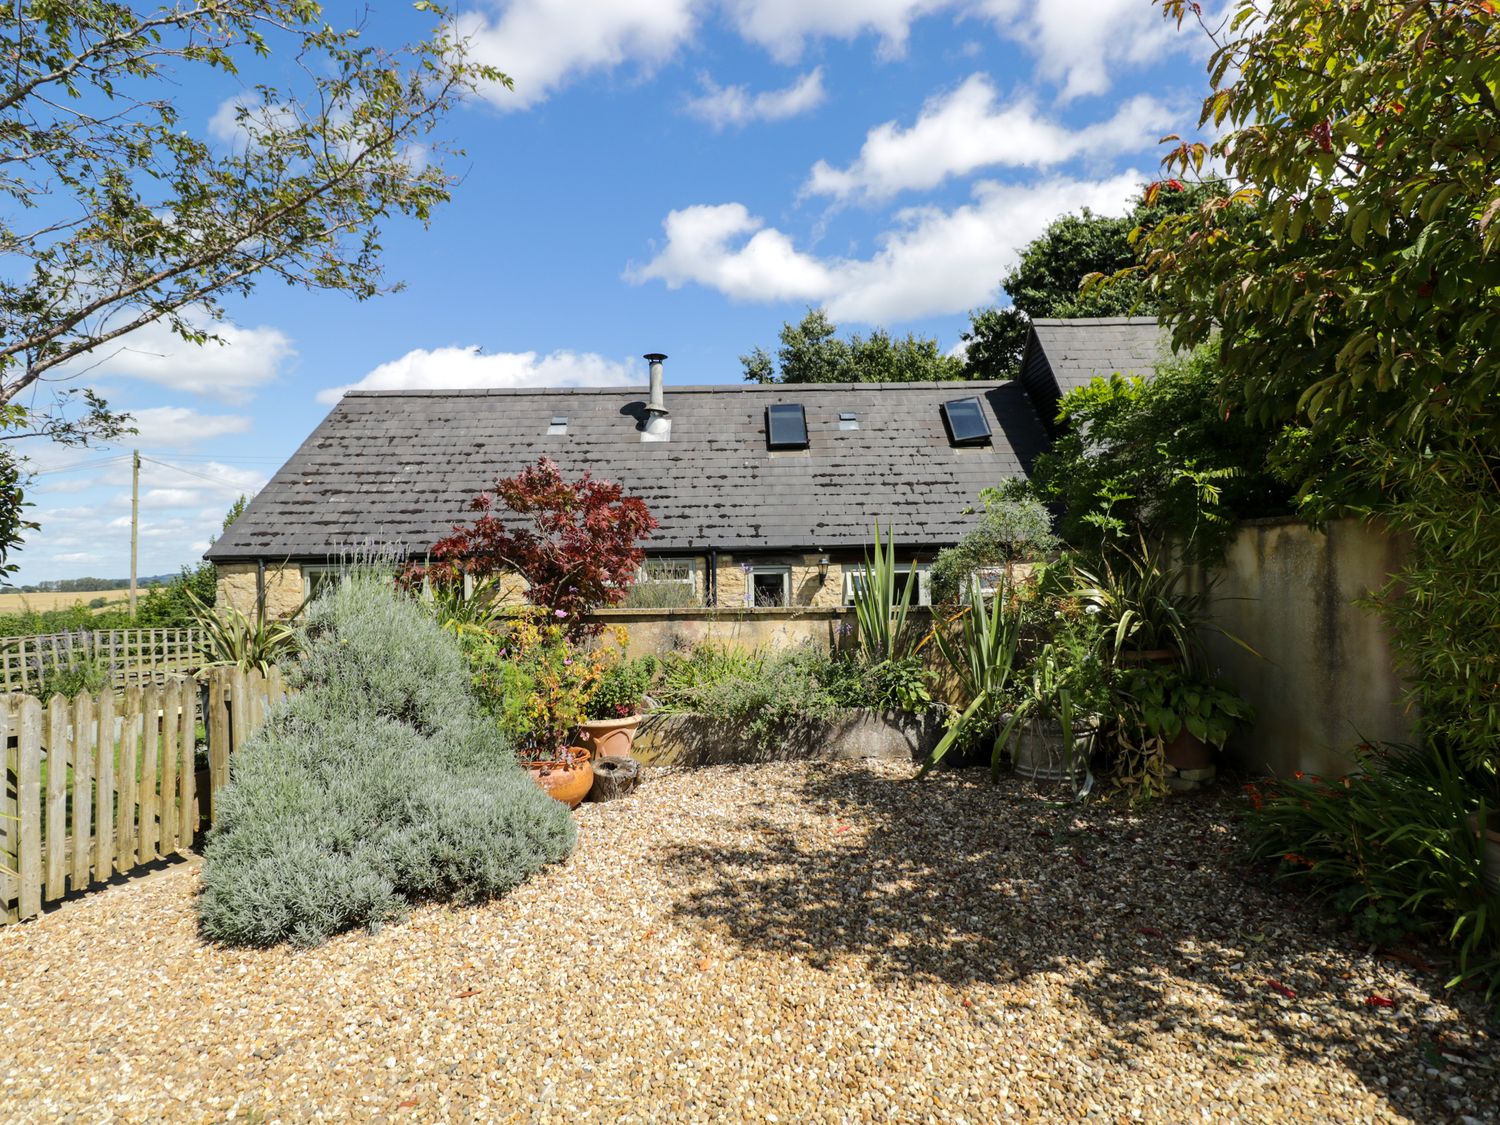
560, 613
572, 589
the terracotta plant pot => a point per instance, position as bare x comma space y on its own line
609, 738
568, 782
1187, 752
1490, 836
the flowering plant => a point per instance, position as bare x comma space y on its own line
537, 682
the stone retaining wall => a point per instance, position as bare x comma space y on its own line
701, 740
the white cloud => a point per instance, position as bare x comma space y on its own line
783, 27
178, 427
1080, 48
967, 129
933, 262
724, 106
230, 369
239, 119
468, 368
764, 267
542, 44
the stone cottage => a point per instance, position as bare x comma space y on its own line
766, 495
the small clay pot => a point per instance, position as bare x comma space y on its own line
568, 782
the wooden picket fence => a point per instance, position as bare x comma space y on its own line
100, 785
134, 656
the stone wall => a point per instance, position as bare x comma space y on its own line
660, 631
1324, 679
284, 588
701, 740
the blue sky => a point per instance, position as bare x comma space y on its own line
666, 176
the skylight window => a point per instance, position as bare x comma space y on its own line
559, 425
848, 420
786, 426
966, 421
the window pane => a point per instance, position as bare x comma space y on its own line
769, 589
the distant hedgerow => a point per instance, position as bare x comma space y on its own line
378, 784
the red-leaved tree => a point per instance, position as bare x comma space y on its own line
574, 542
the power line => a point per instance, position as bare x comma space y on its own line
82, 465
190, 472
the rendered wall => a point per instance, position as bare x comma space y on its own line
1325, 679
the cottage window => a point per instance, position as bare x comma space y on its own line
769, 586
683, 570
921, 596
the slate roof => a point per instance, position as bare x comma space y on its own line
394, 470
1064, 354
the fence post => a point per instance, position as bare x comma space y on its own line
83, 789
219, 736
57, 798
10, 819
104, 790
29, 797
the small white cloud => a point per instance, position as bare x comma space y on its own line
933, 262
967, 129
543, 44
239, 119
783, 27
470, 368
178, 427
230, 368
726, 106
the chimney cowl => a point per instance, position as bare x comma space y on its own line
658, 417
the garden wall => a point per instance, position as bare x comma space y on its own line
702, 740
1325, 679
660, 631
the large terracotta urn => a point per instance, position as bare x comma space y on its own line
568, 782
609, 738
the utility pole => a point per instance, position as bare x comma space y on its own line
135, 519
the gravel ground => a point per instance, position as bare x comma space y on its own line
787, 943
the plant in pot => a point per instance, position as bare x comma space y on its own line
538, 684
1055, 705
614, 708
1175, 719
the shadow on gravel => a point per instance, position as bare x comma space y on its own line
957, 881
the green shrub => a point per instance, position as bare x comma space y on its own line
1015, 526
378, 784
1392, 849
772, 693
622, 687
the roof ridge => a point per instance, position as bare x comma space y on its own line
670, 389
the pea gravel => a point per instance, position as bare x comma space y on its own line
780, 943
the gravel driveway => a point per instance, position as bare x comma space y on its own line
789, 943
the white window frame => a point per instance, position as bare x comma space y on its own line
924, 582
312, 572
690, 581
782, 570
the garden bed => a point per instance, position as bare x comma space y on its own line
822, 942
703, 740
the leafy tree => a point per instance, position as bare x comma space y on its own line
1353, 273
119, 216
1046, 281
812, 352
1013, 526
1160, 458
575, 543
